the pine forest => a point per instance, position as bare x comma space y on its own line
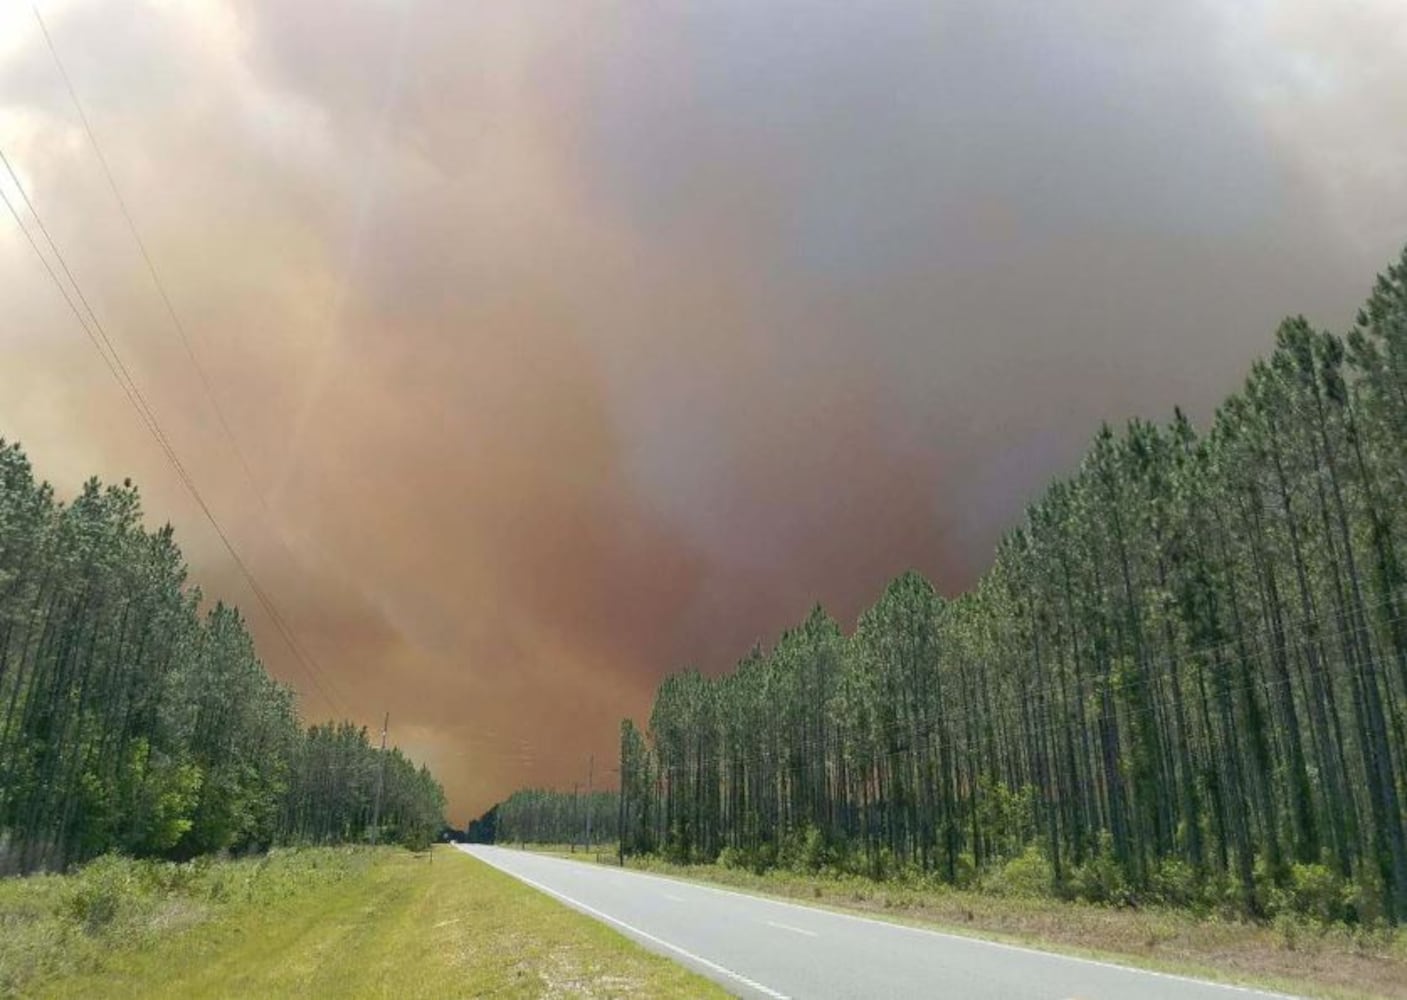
135, 719
1182, 679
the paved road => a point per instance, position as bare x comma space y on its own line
765, 948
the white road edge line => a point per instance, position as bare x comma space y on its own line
590, 866
751, 984
789, 927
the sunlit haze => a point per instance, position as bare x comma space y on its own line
570, 344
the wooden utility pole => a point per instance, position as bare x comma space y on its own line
576, 811
620, 816
380, 781
590, 770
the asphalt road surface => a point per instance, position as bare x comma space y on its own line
757, 947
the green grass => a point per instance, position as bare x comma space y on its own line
1294, 956
340, 924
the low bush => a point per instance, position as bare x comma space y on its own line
1318, 892
1101, 878
52, 924
1176, 883
1029, 874
805, 851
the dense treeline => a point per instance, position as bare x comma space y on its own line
1183, 678
542, 816
483, 830
331, 795
132, 721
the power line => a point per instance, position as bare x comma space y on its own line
170, 309
114, 366
97, 335
150, 264
380, 780
305, 658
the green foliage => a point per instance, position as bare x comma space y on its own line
1182, 679
805, 851
1028, 874
1008, 817
1101, 878
132, 721
543, 816
70, 923
107, 886
172, 792
1176, 883
315, 810
734, 857
354, 924
1317, 891
1364, 903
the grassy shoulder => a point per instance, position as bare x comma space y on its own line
1290, 955
346, 923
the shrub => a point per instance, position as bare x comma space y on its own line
1363, 902
1028, 874
1101, 878
1176, 883
964, 872
736, 858
1291, 929
814, 854
804, 851
1317, 891
102, 890
764, 857
884, 864
53, 924
1269, 896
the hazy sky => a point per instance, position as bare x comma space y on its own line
569, 343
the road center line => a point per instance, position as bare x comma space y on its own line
675, 899
827, 911
789, 927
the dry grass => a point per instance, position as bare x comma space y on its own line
439, 925
1292, 956
56, 925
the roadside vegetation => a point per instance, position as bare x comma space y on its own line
56, 925
543, 816
346, 922
1182, 682
1296, 953
134, 719
1171, 717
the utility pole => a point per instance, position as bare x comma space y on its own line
380, 781
576, 810
620, 816
590, 770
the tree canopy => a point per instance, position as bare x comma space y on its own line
1184, 676
133, 720
544, 816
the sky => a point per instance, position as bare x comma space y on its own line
549, 348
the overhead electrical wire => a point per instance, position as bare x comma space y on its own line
169, 307
166, 302
311, 667
97, 335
